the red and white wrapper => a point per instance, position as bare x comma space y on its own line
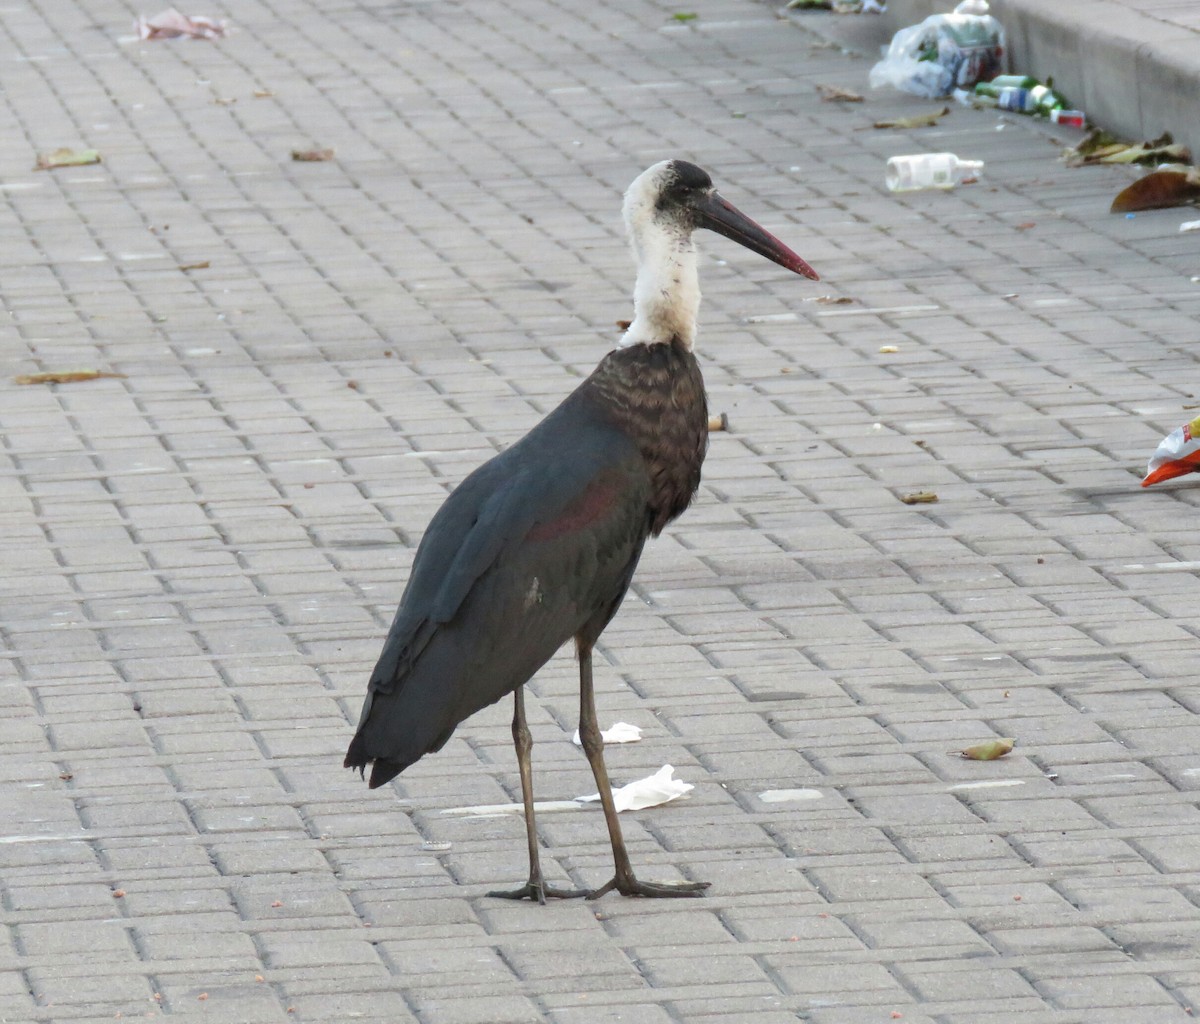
1177, 453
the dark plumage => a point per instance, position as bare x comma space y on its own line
538, 545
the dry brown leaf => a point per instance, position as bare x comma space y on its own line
836, 94
202, 265
312, 156
919, 498
919, 121
833, 300
988, 751
1101, 148
63, 376
1159, 190
65, 157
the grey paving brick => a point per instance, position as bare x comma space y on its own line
197, 561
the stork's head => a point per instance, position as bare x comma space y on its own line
663, 206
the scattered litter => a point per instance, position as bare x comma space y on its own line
888, 350
172, 25
1022, 94
1159, 190
988, 751
263, 94
202, 265
685, 16
497, 810
836, 94
66, 158
312, 156
63, 376
432, 846
1099, 147
770, 318
659, 788
916, 171
832, 300
718, 423
942, 52
1177, 454
783, 796
1190, 225
920, 121
620, 732
1069, 118
919, 498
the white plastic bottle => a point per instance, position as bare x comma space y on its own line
929, 170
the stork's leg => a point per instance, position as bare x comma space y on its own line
589, 733
535, 888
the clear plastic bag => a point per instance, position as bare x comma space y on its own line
944, 52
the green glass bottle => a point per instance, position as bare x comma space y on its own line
993, 87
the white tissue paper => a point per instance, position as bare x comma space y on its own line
659, 788
621, 732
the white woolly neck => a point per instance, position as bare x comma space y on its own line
666, 297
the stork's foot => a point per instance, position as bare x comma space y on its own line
539, 891
632, 887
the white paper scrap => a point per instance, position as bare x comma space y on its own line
621, 732
1190, 225
659, 788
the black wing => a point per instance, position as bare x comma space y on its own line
533, 545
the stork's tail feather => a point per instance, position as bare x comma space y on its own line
382, 770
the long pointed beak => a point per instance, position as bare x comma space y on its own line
720, 215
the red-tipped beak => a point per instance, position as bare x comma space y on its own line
719, 215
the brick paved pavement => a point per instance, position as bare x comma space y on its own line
199, 561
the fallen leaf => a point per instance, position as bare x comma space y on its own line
833, 300
889, 350
685, 16
63, 376
118, 894
919, 498
1028, 225
1159, 190
1099, 147
919, 121
312, 156
202, 265
66, 158
263, 94
224, 101
624, 325
836, 94
720, 422
988, 751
